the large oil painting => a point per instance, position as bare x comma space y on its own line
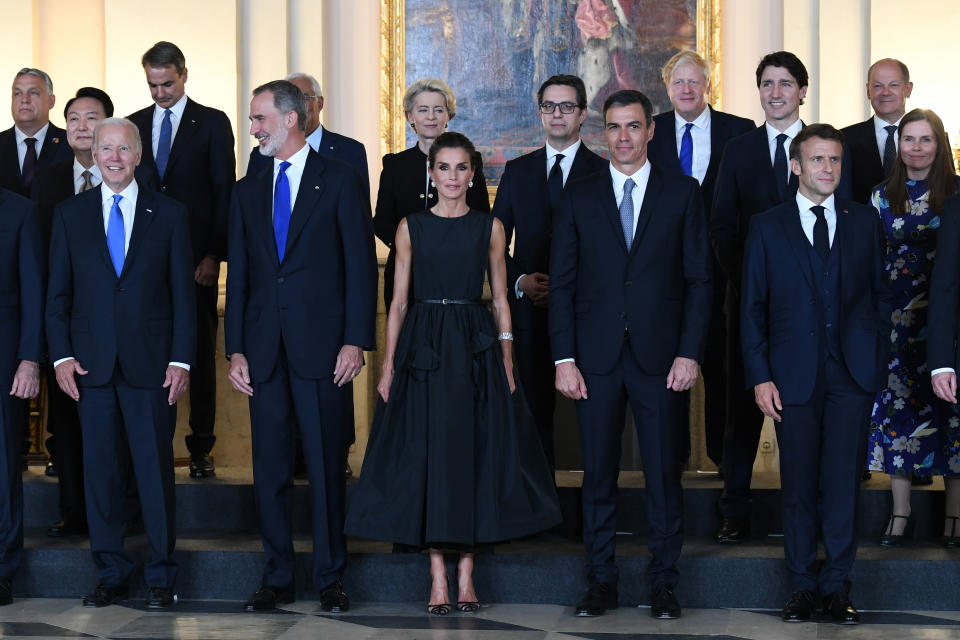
495, 53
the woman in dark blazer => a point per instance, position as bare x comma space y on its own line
405, 187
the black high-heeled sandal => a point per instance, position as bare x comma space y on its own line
953, 540
441, 609
467, 606
890, 539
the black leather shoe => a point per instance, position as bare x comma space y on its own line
67, 528
6, 591
664, 605
160, 598
840, 609
866, 475
800, 607
267, 598
733, 530
890, 539
201, 466
50, 471
598, 598
333, 598
104, 595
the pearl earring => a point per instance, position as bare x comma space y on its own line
470, 184
433, 184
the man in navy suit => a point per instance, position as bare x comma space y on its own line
323, 141
754, 176
33, 141
629, 311
190, 158
301, 309
815, 331
700, 135
22, 282
529, 190
871, 145
121, 329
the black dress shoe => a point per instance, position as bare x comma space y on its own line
201, 466
67, 528
733, 530
160, 598
840, 609
800, 607
333, 599
267, 598
50, 471
598, 598
664, 605
104, 595
6, 591
866, 475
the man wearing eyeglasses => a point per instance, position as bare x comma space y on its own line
526, 197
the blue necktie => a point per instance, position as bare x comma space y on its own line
115, 235
626, 212
780, 177
163, 145
686, 150
281, 210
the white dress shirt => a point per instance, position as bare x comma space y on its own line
176, 115
700, 134
881, 133
314, 138
78, 169
772, 134
808, 218
22, 146
294, 173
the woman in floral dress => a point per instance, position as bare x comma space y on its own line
912, 432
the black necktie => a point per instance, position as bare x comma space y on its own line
780, 166
890, 149
821, 237
555, 181
29, 163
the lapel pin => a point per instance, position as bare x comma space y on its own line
149, 210
56, 140
316, 186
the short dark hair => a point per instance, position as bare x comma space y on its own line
565, 80
162, 54
452, 140
788, 61
91, 92
286, 97
816, 130
627, 97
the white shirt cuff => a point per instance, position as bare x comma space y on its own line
556, 362
62, 360
516, 288
942, 370
180, 364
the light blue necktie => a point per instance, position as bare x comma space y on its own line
115, 235
163, 145
686, 150
281, 209
626, 212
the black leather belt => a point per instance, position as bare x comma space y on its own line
448, 301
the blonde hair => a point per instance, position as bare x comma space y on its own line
430, 84
685, 57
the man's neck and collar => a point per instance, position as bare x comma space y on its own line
314, 138
804, 202
128, 192
176, 109
701, 120
792, 129
79, 167
879, 123
297, 158
568, 151
619, 175
40, 134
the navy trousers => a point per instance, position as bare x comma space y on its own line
12, 412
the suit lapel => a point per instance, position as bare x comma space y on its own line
8, 153
185, 132
765, 175
51, 144
648, 206
143, 217
848, 238
608, 204
797, 239
94, 223
718, 137
312, 186
263, 211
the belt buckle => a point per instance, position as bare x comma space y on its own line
443, 300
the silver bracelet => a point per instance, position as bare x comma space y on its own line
506, 335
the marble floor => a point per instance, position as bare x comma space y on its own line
48, 619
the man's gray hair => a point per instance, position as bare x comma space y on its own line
286, 97
314, 85
30, 71
120, 121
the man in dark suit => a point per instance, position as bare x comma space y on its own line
190, 158
629, 310
529, 190
816, 338
121, 329
754, 176
33, 141
301, 309
871, 146
943, 326
22, 283
700, 133
323, 141
53, 185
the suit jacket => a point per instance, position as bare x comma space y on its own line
142, 320
55, 149
51, 186
660, 290
332, 145
324, 293
201, 171
943, 320
523, 206
862, 162
662, 149
745, 186
781, 316
22, 284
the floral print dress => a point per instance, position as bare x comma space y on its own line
911, 430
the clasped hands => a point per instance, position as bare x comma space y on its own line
569, 381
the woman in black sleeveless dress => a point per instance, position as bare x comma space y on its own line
454, 460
